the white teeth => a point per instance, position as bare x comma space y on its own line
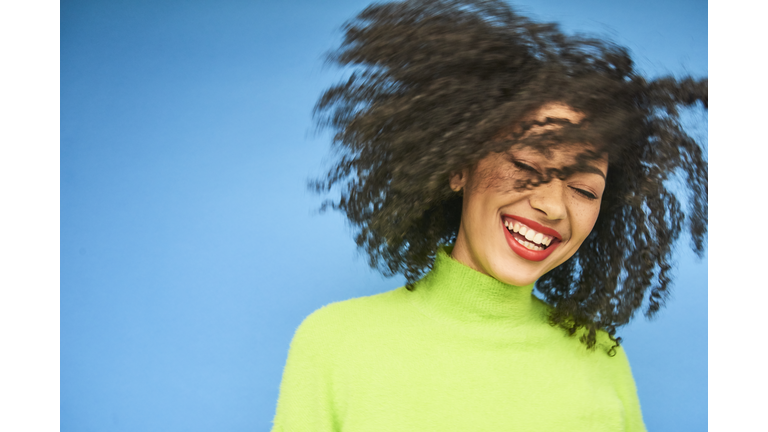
530, 246
536, 239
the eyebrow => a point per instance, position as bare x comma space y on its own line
589, 169
593, 170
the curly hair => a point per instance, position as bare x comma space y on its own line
435, 86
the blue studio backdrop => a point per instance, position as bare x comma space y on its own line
191, 248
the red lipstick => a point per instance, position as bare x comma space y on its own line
524, 252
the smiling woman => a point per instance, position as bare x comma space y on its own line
482, 156
517, 236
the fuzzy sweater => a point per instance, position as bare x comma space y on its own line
461, 352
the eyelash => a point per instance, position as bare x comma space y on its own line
584, 193
525, 167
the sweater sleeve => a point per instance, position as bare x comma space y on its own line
305, 402
625, 386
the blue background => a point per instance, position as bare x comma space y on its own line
190, 246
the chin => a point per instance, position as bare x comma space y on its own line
516, 279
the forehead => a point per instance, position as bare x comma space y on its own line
576, 156
557, 110
559, 154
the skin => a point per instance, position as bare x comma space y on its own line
569, 206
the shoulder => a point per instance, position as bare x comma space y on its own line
336, 322
604, 344
355, 309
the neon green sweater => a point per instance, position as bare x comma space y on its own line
461, 352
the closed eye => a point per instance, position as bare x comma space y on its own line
525, 167
585, 193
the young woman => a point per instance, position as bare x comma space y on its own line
483, 155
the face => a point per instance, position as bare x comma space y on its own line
516, 236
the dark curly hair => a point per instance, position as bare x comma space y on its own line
435, 86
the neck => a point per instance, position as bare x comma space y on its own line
455, 292
460, 252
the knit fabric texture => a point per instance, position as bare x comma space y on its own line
461, 352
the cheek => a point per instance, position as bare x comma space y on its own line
476, 212
585, 219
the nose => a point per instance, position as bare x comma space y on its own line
549, 199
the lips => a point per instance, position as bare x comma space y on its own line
528, 239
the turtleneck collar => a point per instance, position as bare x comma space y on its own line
454, 292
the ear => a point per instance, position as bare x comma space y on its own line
458, 179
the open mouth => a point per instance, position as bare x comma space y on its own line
528, 237
529, 242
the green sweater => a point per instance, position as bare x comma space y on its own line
461, 352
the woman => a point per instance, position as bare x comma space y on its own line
539, 160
